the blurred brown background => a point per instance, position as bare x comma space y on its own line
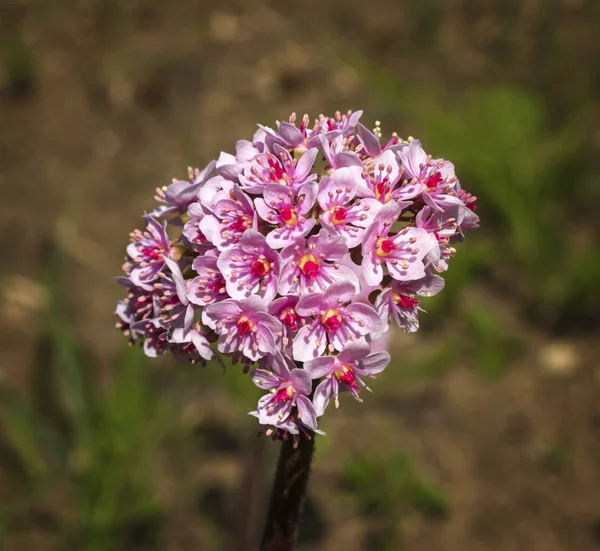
484, 434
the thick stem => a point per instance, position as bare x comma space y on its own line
287, 498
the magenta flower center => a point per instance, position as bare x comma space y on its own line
346, 375
434, 180
384, 247
309, 266
331, 320
406, 301
244, 325
339, 215
284, 394
382, 190
260, 267
241, 224
155, 253
276, 173
289, 216
290, 318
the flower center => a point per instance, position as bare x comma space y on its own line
245, 325
382, 191
288, 216
290, 318
384, 247
260, 267
241, 224
434, 180
284, 394
339, 215
276, 172
309, 266
405, 301
346, 375
155, 253
331, 320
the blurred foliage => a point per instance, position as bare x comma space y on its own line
74, 438
387, 489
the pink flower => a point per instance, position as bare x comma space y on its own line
278, 168
400, 303
313, 264
209, 286
333, 321
252, 267
343, 373
284, 309
287, 400
402, 254
232, 217
287, 210
342, 213
388, 181
147, 250
243, 326
437, 175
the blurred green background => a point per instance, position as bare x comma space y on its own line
483, 434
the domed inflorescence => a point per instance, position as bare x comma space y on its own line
296, 253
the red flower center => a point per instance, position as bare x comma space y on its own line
288, 216
260, 267
339, 215
284, 394
384, 247
290, 318
406, 302
276, 170
244, 325
346, 375
331, 320
382, 190
309, 266
241, 224
154, 253
434, 180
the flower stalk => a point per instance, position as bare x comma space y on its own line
288, 494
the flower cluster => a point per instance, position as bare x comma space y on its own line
293, 256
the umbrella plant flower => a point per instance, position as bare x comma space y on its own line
295, 254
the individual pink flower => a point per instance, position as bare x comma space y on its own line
312, 264
387, 181
337, 152
193, 344
284, 309
231, 166
334, 321
243, 327
437, 175
286, 209
192, 234
147, 250
180, 194
278, 168
209, 286
342, 213
399, 302
252, 267
287, 400
232, 217
344, 372
402, 254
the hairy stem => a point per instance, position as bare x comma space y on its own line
287, 498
